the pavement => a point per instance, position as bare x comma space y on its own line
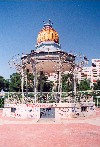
76, 132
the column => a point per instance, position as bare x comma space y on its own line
74, 82
22, 81
35, 90
59, 77
35, 78
60, 87
26, 86
97, 102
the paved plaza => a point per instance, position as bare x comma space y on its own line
77, 132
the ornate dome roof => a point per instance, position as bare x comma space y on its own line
47, 34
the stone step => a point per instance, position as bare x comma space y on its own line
46, 120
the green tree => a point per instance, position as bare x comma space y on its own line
67, 80
48, 86
4, 84
43, 84
2, 81
84, 85
15, 82
30, 82
97, 85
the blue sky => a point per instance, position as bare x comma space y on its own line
76, 21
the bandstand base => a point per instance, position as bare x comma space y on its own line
57, 111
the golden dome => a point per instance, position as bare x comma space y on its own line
48, 34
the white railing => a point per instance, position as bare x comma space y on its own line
49, 97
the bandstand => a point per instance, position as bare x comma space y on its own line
48, 57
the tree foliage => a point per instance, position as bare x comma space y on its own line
67, 82
43, 84
84, 85
15, 82
97, 85
30, 82
2, 80
4, 84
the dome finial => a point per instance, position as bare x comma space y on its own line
43, 21
49, 21
48, 24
